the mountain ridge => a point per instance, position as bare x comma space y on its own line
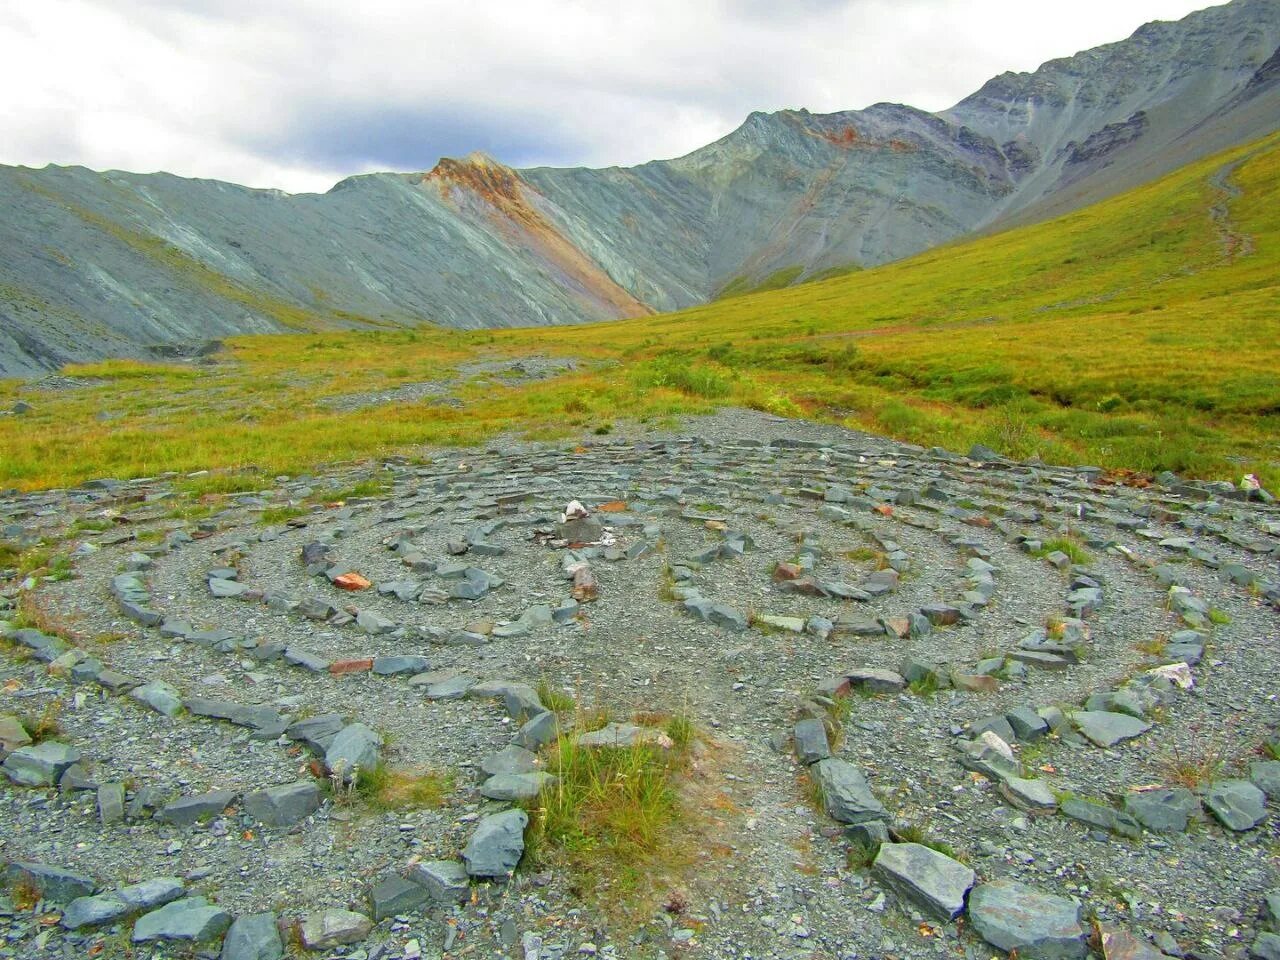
100, 264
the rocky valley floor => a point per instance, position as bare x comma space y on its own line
942, 706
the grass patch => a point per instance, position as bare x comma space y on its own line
925, 685
402, 788
274, 515
1066, 545
861, 856
554, 699
1079, 339
1193, 770
1219, 618
613, 814
912, 833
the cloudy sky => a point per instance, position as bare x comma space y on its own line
299, 93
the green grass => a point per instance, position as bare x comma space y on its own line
614, 816
387, 788
1119, 335
554, 699
1065, 545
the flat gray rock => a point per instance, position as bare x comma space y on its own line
191, 810
406, 663
284, 805
1033, 796
40, 764
355, 747
845, 794
1163, 811
876, 680
932, 881
159, 696
497, 845
516, 786
446, 881
55, 884
109, 907
1105, 729
194, 920
396, 895
254, 936
333, 928
810, 738
1265, 775
1237, 804
1013, 916
510, 759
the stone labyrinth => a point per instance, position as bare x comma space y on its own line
945, 706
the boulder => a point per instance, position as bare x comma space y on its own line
1237, 804
845, 794
284, 805
40, 764
193, 920
353, 748
254, 936
932, 881
497, 845
333, 928
1013, 916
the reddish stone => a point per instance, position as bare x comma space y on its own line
787, 571
351, 581
899, 626
339, 667
584, 585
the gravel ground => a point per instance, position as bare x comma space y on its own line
772, 881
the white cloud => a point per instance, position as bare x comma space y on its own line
298, 93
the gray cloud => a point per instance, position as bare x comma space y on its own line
298, 93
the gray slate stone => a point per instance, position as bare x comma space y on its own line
1163, 811
1013, 916
405, 663
354, 747
316, 732
254, 936
191, 810
932, 881
496, 846
284, 805
510, 759
396, 895
845, 793
333, 928
40, 764
54, 883
1104, 818
1237, 804
109, 907
159, 696
193, 920
1265, 775
515, 786
446, 881
810, 738
1105, 729
538, 731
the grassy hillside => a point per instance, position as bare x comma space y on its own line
1141, 333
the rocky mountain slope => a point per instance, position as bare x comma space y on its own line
99, 264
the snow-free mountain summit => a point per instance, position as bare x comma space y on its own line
120, 264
